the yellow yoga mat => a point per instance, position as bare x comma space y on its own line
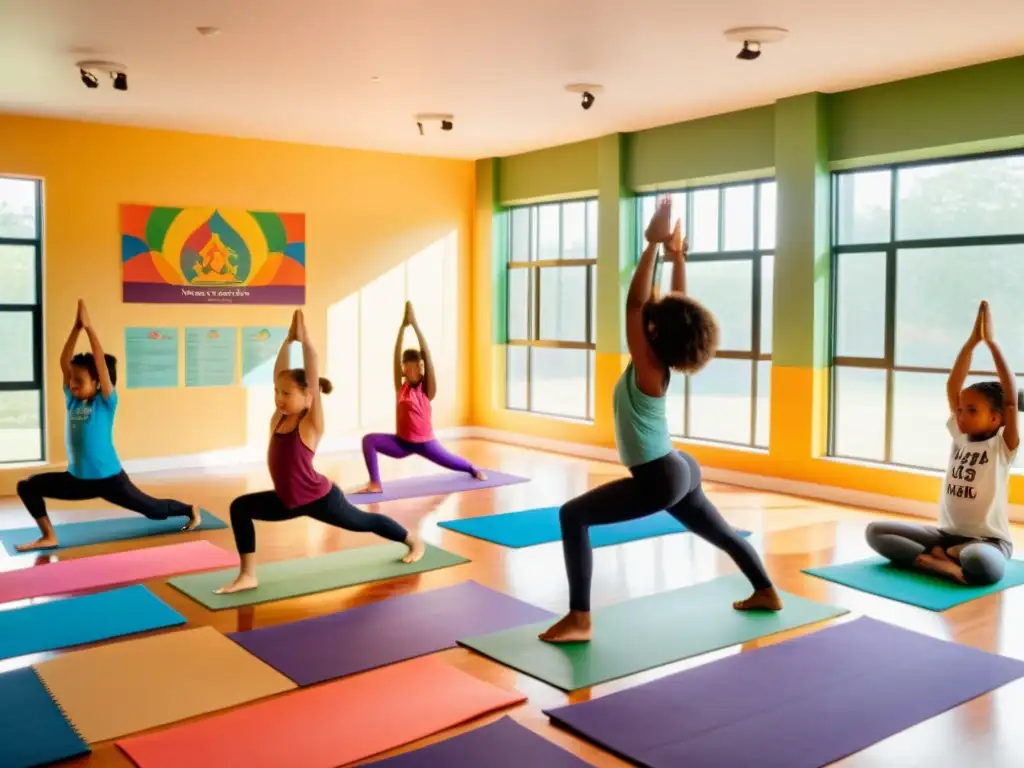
114, 690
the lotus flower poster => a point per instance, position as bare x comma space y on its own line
212, 256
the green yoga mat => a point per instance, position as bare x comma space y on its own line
307, 575
934, 593
648, 632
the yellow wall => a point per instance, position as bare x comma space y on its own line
380, 228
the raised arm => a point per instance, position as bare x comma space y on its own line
962, 366
398, 348
283, 357
69, 347
429, 380
1011, 435
106, 386
311, 364
675, 251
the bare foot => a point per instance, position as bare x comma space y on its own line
416, 549
194, 519
953, 553
371, 488
942, 566
43, 542
480, 475
574, 627
762, 600
242, 583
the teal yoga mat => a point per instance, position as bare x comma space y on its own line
80, 620
103, 531
307, 575
878, 577
648, 632
531, 527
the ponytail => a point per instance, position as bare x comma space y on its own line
298, 375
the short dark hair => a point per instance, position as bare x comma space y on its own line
298, 375
411, 356
87, 361
682, 332
991, 391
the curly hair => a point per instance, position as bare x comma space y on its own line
88, 362
411, 356
298, 375
991, 391
683, 333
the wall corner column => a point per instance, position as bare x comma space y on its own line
489, 307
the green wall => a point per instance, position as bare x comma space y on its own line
568, 170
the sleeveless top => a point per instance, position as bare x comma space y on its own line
291, 468
641, 427
413, 415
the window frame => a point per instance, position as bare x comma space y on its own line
533, 299
36, 383
755, 255
891, 249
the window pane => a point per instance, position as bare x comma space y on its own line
767, 302
704, 227
937, 295
739, 218
515, 378
919, 414
17, 274
763, 404
520, 233
20, 427
726, 288
558, 381
720, 401
519, 303
860, 413
593, 304
592, 229
548, 232
647, 205
18, 208
966, 198
675, 405
863, 207
767, 216
860, 305
563, 303
16, 346
574, 231
679, 210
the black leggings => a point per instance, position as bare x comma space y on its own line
119, 490
671, 483
333, 509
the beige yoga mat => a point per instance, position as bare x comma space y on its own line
114, 690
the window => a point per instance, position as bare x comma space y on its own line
731, 230
552, 292
21, 322
916, 248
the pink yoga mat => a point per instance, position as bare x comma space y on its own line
86, 573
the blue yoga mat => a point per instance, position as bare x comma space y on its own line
103, 531
932, 592
79, 620
35, 732
540, 526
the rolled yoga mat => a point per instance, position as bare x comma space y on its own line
308, 575
121, 688
103, 531
531, 527
329, 725
502, 744
434, 485
392, 630
33, 730
648, 632
804, 703
80, 620
68, 577
878, 576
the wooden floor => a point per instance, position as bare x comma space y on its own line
792, 534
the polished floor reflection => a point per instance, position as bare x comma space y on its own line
792, 533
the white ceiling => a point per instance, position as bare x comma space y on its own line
301, 70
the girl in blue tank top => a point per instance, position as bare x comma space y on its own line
673, 333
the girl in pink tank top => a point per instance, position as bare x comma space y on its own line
415, 386
299, 490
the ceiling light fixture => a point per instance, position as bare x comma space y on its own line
587, 92
753, 38
446, 120
117, 72
208, 31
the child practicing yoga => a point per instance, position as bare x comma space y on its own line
972, 541
416, 386
94, 470
673, 333
299, 490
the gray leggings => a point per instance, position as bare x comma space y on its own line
983, 560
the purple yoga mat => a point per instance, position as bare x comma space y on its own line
399, 628
804, 703
434, 485
502, 744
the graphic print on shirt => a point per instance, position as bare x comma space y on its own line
964, 469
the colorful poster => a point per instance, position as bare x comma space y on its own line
151, 357
210, 357
260, 345
212, 256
